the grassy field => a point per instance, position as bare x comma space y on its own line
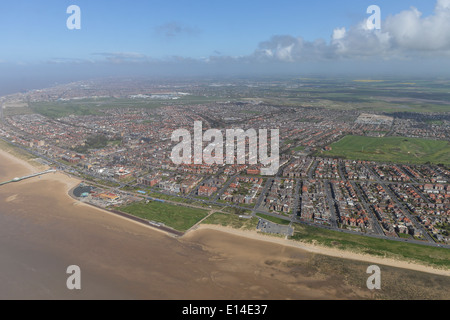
233, 210
21, 154
438, 257
176, 217
273, 219
93, 106
231, 220
17, 152
391, 149
174, 198
299, 148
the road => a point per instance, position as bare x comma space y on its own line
296, 206
225, 187
376, 226
331, 203
292, 219
401, 206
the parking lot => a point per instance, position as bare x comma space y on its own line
270, 227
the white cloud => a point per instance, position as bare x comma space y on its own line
407, 34
411, 31
338, 33
443, 5
285, 53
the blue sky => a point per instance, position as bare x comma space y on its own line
36, 30
179, 37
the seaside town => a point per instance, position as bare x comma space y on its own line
123, 154
214, 158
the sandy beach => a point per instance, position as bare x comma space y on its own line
43, 231
327, 251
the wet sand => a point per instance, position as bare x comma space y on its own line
328, 251
43, 231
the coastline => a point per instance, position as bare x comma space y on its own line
22, 162
70, 182
321, 250
127, 217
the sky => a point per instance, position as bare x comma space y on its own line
198, 37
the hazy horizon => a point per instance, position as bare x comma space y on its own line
199, 38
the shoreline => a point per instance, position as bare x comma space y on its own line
142, 222
321, 250
22, 162
71, 182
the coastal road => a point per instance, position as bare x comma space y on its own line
256, 210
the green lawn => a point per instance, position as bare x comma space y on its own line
15, 151
391, 149
404, 235
231, 220
240, 211
177, 217
174, 198
439, 257
273, 219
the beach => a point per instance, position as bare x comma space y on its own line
328, 251
43, 231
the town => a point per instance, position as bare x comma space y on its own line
118, 139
